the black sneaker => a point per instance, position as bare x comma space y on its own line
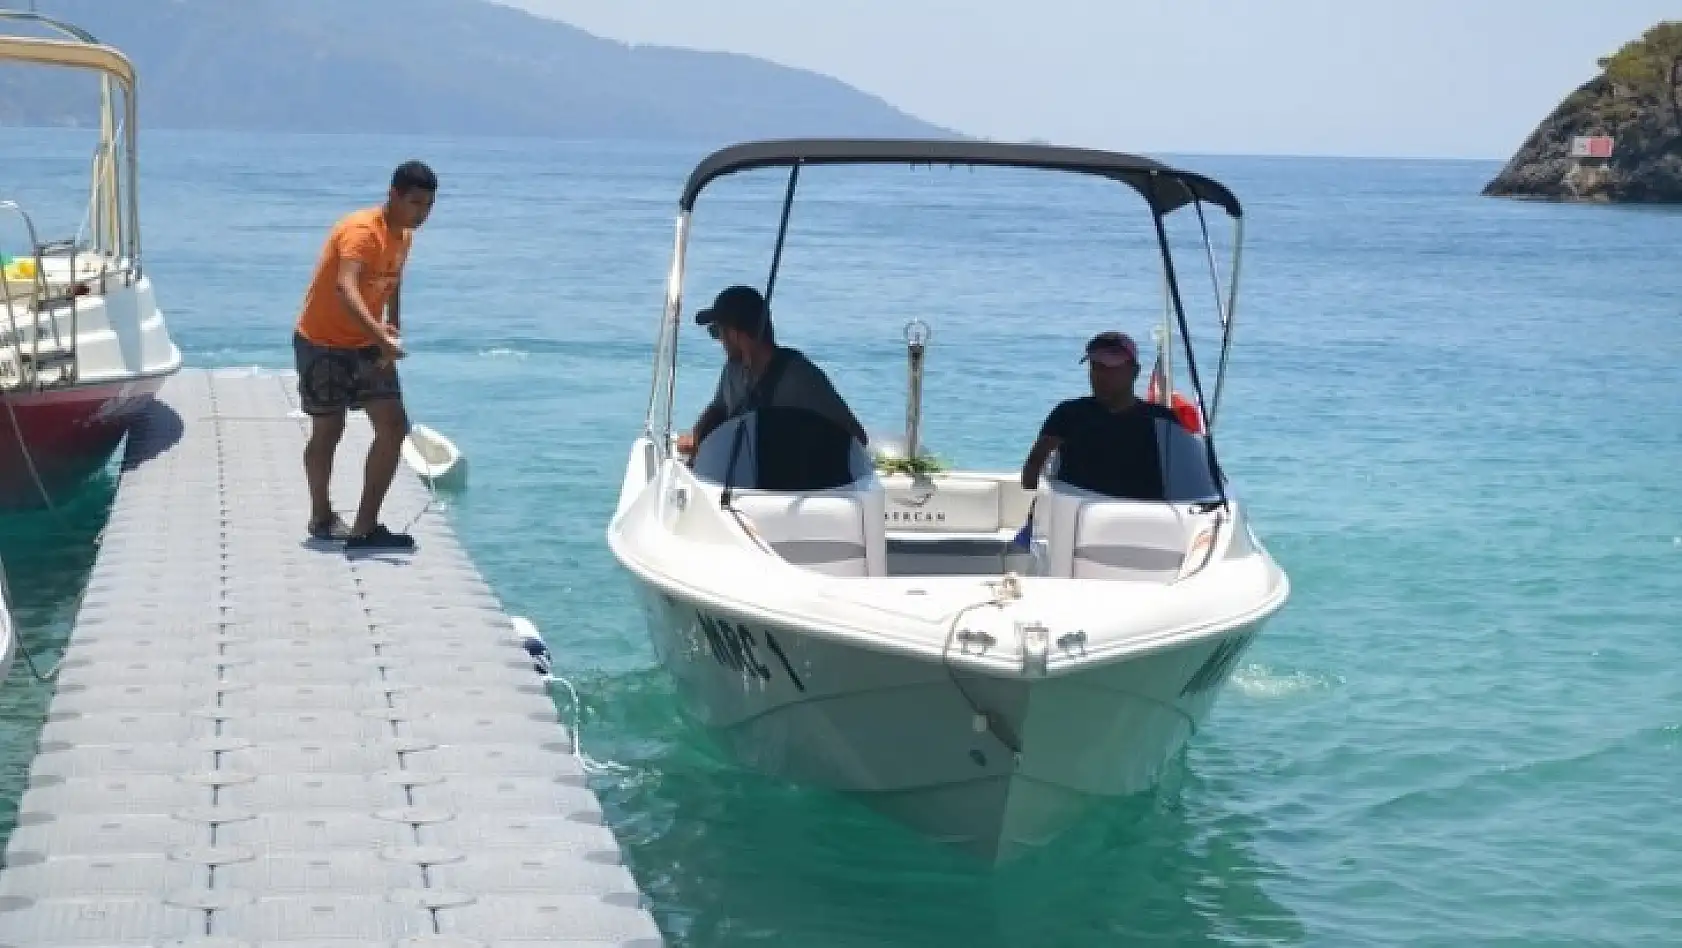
333, 528
380, 538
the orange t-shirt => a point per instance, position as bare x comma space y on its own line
360, 235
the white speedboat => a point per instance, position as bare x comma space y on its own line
885, 637
83, 344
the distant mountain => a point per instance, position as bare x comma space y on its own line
438, 67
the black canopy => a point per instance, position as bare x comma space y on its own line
1166, 189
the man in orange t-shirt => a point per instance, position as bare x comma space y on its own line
346, 345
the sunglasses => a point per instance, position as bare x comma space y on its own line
713, 330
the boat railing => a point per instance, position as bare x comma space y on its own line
32, 356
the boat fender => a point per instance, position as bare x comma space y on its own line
533, 643
1187, 413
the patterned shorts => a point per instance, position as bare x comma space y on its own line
331, 380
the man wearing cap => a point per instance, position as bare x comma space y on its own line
741, 322
1106, 441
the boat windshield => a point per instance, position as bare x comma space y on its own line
1187, 476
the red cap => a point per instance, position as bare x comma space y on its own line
1111, 349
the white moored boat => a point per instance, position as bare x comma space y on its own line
84, 346
885, 638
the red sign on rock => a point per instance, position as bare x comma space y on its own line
1591, 146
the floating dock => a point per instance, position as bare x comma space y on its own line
261, 740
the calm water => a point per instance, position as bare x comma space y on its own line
1458, 423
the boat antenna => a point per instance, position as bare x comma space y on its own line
917, 335
1185, 338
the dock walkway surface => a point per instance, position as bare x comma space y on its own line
261, 740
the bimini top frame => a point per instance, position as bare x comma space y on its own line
115, 210
1165, 190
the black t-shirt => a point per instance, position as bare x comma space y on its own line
1113, 453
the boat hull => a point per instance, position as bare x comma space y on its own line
996, 766
67, 433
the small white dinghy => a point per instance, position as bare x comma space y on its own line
434, 457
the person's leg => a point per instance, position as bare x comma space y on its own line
324, 388
382, 399
325, 432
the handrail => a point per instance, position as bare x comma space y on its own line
68, 29
31, 375
46, 305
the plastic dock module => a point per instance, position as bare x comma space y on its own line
261, 740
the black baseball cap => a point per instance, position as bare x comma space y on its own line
739, 307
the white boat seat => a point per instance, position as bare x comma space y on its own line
1134, 540
837, 531
826, 532
1079, 534
1082, 534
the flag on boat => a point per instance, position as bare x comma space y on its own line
1153, 390
1157, 391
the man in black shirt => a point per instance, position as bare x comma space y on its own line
740, 320
1106, 441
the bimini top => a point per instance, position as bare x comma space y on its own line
1166, 189
78, 55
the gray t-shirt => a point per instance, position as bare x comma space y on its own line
803, 385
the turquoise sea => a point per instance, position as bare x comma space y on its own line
1457, 421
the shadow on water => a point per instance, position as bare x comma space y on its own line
730, 858
47, 555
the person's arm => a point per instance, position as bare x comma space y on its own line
358, 251
1037, 456
711, 417
1051, 437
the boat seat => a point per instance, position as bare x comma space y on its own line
1083, 534
943, 504
826, 532
828, 527
1080, 534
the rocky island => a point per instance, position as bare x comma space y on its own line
1633, 109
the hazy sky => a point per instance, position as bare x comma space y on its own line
1444, 78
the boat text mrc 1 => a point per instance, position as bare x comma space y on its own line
982, 693
83, 345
